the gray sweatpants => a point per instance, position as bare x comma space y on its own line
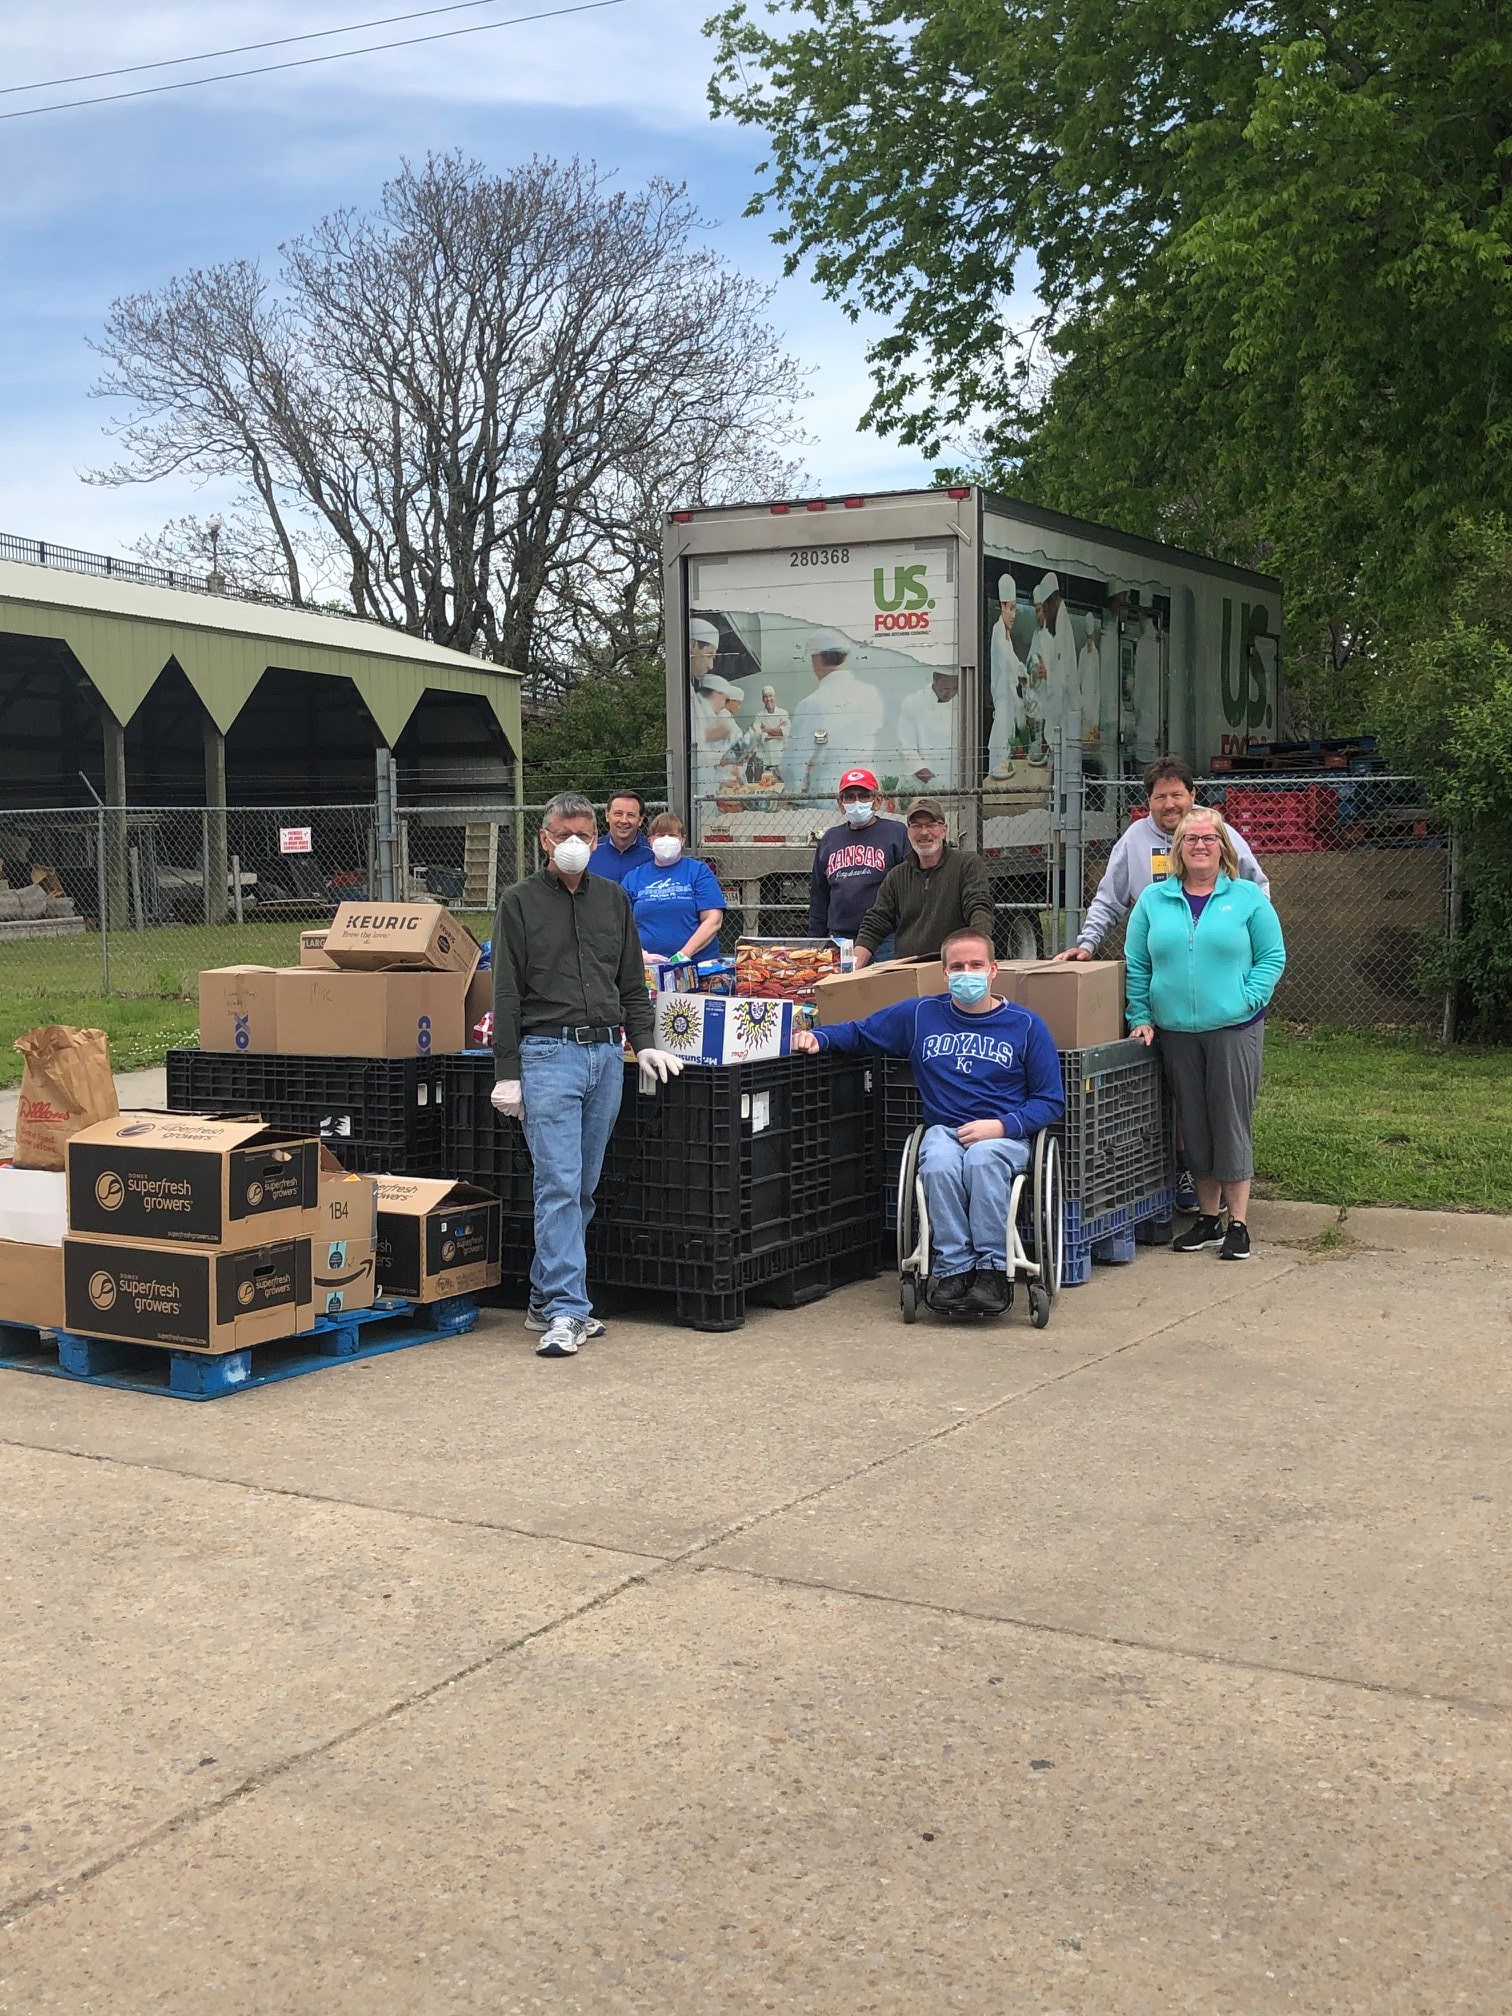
1214, 1078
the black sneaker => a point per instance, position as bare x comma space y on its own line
1236, 1244
1186, 1191
1204, 1232
948, 1291
991, 1293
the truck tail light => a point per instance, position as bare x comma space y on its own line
854, 503
779, 510
682, 517
817, 505
961, 490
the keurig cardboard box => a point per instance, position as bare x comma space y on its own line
373, 937
184, 1296
312, 951
239, 1009
191, 1181
436, 1238
848, 997
1081, 1002
346, 1247
400, 1014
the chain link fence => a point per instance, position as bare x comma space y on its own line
132, 903
1361, 871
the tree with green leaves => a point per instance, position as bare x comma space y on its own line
1271, 252
604, 732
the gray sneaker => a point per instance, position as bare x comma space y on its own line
537, 1319
561, 1340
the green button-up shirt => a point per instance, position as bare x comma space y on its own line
565, 959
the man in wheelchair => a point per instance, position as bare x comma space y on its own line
989, 1079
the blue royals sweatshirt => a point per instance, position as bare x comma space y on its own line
1000, 1066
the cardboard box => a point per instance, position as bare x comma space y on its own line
378, 937
1081, 1002
238, 1009
848, 997
719, 1029
405, 1014
31, 1284
192, 1182
436, 1238
312, 951
185, 1296
33, 1206
346, 1246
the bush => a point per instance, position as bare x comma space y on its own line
1447, 711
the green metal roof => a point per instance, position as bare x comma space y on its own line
123, 635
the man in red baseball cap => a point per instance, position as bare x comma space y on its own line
852, 858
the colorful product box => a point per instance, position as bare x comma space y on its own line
718, 1029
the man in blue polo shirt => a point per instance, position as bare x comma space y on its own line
989, 1078
623, 846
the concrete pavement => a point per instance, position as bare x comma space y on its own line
1154, 1662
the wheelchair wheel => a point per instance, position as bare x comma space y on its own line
908, 1297
908, 1214
1039, 1305
1049, 1217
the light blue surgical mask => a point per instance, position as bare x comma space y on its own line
859, 811
967, 989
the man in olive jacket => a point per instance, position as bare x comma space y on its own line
937, 890
568, 984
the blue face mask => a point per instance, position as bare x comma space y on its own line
968, 988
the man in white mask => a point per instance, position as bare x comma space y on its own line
569, 983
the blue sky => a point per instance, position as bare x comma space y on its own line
114, 199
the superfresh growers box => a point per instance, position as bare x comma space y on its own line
187, 1296
723, 1029
192, 1181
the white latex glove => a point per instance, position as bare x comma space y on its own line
508, 1098
657, 1066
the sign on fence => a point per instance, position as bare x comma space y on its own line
294, 840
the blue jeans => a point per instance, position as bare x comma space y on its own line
967, 1191
572, 1099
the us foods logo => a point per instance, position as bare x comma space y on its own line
905, 605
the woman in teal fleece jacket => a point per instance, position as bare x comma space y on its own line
1204, 952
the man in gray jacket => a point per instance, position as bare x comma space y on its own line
1141, 855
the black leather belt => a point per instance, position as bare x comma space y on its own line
582, 1034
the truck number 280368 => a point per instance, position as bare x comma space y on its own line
819, 556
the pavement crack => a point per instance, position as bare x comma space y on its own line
268, 1774
1229, 1662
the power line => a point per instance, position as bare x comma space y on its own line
242, 48
305, 62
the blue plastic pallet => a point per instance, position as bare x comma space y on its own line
1109, 1239
390, 1325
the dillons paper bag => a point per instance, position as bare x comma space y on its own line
66, 1085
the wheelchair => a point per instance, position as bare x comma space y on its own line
1035, 1208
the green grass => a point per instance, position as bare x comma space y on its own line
1383, 1119
1343, 1118
155, 975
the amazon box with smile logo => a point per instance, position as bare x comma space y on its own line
186, 1297
346, 1248
436, 1238
188, 1181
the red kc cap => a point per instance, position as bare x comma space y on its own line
862, 778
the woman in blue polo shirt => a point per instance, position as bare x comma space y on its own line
678, 904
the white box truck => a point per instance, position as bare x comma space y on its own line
949, 641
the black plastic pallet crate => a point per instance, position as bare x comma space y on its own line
762, 1153
377, 1115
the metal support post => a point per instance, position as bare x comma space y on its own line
387, 825
216, 838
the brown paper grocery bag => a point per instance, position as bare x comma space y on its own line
66, 1085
